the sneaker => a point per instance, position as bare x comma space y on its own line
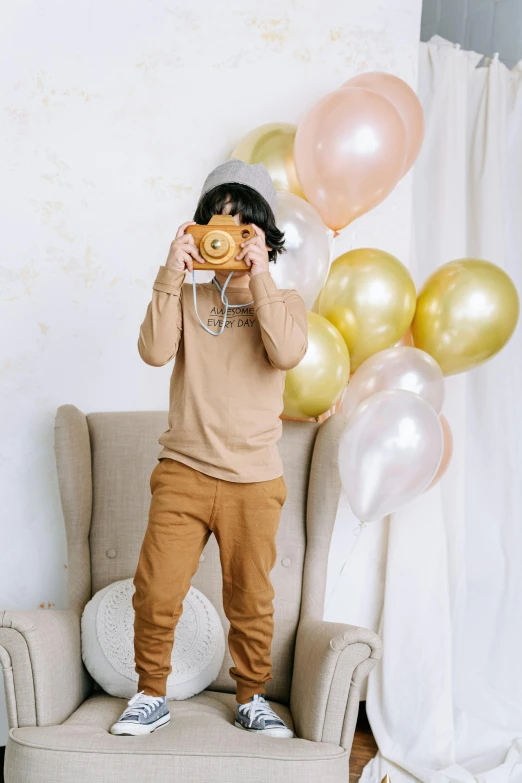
143, 715
257, 715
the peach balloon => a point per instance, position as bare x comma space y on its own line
349, 153
447, 452
406, 339
405, 101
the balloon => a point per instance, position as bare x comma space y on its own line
466, 312
305, 264
447, 452
320, 378
273, 145
349, 152
389, 452
370, 297
406, 339
396, 368
322, 417
405, 101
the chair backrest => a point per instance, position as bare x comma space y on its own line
104, 461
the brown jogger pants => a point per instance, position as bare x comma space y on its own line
186, 507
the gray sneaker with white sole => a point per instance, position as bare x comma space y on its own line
258, 716
143, 715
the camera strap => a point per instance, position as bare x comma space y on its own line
224, 300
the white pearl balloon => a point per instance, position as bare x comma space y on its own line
389, 452
402, 367
304, 265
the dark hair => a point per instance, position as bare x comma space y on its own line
251, 206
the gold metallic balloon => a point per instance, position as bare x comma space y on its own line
273, 145
320, 378
370, 297
466, 312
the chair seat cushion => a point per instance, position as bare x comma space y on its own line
200, 745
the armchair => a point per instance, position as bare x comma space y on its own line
59, 718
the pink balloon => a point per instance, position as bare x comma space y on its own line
349, 153
405, 101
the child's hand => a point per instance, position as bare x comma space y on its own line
255, 252
183, 249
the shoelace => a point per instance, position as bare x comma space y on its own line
257, 708
137, 708
224, 300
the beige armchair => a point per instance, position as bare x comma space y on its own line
59, 718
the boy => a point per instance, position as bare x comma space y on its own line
219, 470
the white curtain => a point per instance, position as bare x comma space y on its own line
445, 704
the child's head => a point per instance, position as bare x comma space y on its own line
237, 199
244, 190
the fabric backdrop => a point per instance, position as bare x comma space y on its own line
446, 701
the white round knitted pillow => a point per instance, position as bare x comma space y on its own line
107, 633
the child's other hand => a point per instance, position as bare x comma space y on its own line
255, 252
183, 249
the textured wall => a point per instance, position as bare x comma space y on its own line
486, 26
113, 115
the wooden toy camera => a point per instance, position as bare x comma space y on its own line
219, 242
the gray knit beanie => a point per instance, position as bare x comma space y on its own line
253, 174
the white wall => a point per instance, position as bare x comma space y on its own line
113, 116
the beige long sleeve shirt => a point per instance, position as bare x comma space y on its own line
226, 392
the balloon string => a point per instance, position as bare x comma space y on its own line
357, 533
335, 407
327, 414
332, 243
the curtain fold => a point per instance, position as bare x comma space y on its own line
445, 704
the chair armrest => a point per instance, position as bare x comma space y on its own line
331, 661
44, 676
